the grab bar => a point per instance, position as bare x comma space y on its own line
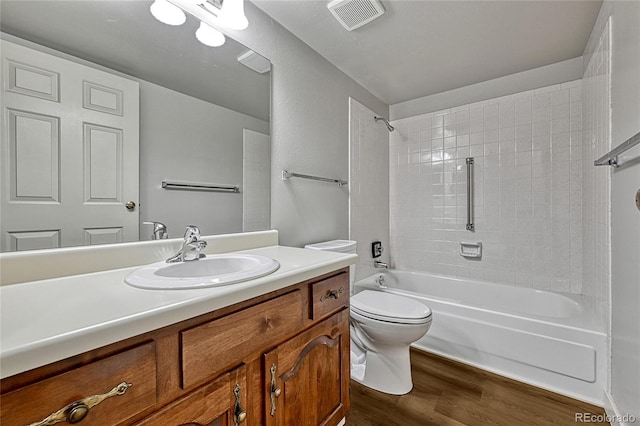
470, 225
611, 157
286, 175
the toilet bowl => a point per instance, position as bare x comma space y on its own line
383, 326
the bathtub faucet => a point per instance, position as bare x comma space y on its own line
379, 264
380, 281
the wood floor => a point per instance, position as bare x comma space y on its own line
446, 392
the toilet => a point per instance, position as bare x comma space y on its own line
383, 326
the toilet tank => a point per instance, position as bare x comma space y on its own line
340, 246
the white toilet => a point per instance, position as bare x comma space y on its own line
383, 326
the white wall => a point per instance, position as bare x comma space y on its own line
549, 75
369, 185
184, 138
256, 178
527, 177
309, 131
625, 217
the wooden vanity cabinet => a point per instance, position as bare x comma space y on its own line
307, 377
220, 402
287, 350
136, 366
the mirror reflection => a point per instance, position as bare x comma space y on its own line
102, 103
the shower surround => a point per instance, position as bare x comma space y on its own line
528, 189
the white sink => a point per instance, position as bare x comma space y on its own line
211, 271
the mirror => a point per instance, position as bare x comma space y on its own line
103, 103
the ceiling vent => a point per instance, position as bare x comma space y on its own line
353, 14
255, 61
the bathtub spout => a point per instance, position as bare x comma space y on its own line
379, 264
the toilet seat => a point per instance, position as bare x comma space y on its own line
388, 307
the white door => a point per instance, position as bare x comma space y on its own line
69, 147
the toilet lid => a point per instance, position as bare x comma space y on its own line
389, 307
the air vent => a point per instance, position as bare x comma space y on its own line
254, 61
353, 14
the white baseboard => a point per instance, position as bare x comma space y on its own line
614, 416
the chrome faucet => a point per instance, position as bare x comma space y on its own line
378, 264
159, 231
191, 246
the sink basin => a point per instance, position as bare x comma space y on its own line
211, 271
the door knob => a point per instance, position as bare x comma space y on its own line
130, 205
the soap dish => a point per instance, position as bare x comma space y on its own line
471, 250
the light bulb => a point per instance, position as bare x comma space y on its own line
232, 15
167, 13
208, 35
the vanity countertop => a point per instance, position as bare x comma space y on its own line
48, 320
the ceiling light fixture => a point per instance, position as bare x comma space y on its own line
232, 15
209, 36
167, 13
211, 13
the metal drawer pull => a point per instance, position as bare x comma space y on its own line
239, 415
333, 294
78, 410
275, 390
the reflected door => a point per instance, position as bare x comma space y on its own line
70, 137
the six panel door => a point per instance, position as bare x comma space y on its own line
69, 151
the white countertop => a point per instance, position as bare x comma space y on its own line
45, 321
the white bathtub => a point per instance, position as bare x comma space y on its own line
538, 337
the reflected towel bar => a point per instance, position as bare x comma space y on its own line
611, 158
199, 186
286, 175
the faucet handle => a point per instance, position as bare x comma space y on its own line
192, 231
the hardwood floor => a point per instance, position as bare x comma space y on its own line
446, 392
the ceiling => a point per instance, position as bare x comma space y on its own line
419, 48
123, 35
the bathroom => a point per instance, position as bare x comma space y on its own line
585, 242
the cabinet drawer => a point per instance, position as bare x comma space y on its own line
135, 366
329, 295
213, 401
212, 348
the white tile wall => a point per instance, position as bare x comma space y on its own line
528, 189
596, 87
368, 185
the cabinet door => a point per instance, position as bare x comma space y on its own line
218, 403
307, 377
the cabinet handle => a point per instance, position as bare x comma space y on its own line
239, 415
332, 294
275, 390
78, 410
